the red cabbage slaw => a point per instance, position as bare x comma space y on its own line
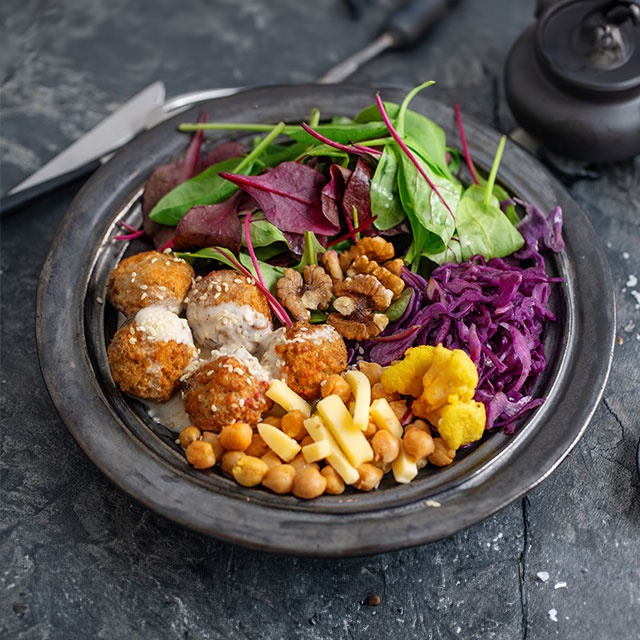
496, 311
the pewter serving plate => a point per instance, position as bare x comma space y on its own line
140, 456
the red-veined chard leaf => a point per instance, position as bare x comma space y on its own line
289, 196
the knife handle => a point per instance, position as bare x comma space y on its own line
412, 21
12, 202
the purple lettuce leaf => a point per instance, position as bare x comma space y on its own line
356, 194
333, 192
290, 197
215, 225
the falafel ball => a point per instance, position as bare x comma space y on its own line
225, 308
228, 388
149, 278
304, 356
150, 352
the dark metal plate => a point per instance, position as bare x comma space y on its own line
73, 327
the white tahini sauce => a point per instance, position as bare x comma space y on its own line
228, 324
170, 414
159, 323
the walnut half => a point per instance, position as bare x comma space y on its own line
356, 303
299, 293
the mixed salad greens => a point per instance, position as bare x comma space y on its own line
475, 278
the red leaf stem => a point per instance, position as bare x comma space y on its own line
351, 233
357, 150
397, 336
410, 155
252, 253
278, 309
463, 140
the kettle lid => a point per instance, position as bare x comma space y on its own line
591, 45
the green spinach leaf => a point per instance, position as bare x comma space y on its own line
385, 200
205, 188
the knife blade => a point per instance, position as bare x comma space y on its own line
116, 129
94, 148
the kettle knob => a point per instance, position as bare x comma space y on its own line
572, 79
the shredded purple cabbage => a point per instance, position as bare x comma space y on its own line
495, 311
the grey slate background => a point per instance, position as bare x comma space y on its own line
80, 559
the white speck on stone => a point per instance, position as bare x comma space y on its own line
99, 300
608, 245
625, 255
560, 585
630, 326
553, 614
543, 576
632, 281
433, 503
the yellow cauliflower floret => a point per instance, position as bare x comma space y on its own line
459, 423
405, 376
452, 376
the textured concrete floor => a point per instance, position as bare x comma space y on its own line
80, 559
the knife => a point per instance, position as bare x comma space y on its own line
145, 110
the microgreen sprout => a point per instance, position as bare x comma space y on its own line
494, 170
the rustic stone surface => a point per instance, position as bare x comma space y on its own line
80, 559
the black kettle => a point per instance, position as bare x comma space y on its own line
572, 79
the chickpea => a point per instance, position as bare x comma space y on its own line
309, 483
258, 446
272, 420
292, 424
200, 454
371, 429
372, 370
229, 459
442, 455
271, 459
306, 440
378, 391
336, 385
335, 484
214, 440
236, 436
188, 435
386, 446
370, 477
299, 463
418, 443
249, 471
399, 407
419, 424
280, 479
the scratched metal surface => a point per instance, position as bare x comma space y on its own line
78, 558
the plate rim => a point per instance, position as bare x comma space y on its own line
52, 337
